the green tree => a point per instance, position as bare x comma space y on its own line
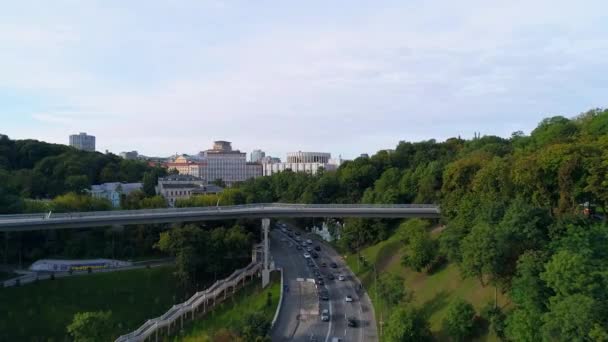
459, 320
91, 326
392, 290
479, 253
255, 326
570, 319
421, 251
407, 324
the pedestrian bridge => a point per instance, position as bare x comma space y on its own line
44, 221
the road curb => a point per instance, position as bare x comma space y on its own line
280, 304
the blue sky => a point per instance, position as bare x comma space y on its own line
347, 77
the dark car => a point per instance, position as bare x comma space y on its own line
320, 282
314, 254
352, 322
298, 233
298, 247
331, 277
317, 248
333, 265
323, 264
323, 295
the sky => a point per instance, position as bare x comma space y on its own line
346, 77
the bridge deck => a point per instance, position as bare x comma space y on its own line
123, 217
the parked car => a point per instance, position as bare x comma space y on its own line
298, 247
307, 255
348, 298
341, 277
317, 248
309, 241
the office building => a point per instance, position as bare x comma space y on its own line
222, 162
114, 192
186, 165
310, 162
176, 187
129, 155
256, 156
83, 141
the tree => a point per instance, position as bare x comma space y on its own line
91, 326
149, 183
255, 326
407, 324
391, 289
570, 319
459, 320
569, 273
421, 251
479, 253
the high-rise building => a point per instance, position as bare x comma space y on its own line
83, 142
256, 156
129, 155
222, 162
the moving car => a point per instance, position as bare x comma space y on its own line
352, 322
298, 247
333, 265
349, 298
307, 255
325, 315
324, 295
323, 264
309, 241
317, 248
308, 249
314, 254
341, 277
331, 277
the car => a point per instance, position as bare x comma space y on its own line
298, 233
298, 238
314, 254
309, 241
325, 315
352, 322
308, 249
307, 255
318, 248
323, 264
303, 244
348, 298
320, 282
341, 277
290, 234
298, 247
324, 296
331, 277
333, 265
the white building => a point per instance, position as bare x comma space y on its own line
82, 141
310, 162
222, 162
114, 191
129, 155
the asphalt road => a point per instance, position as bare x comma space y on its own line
297, 321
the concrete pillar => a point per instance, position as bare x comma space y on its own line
266, 270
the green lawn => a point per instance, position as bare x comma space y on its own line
229, 314
433, 292
41, 311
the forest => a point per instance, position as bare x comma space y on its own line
525, 214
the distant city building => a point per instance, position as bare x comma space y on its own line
222, 162
113, 192
253, 170
309, 162
83, 141
129, 155
186, 165
176, 187
270, 160
364, 155
256, 156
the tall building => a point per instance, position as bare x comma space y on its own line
256, 156
227, 164
82, 141
186, 165
309, 162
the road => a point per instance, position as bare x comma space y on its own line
294, 322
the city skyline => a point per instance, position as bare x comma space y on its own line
161, 77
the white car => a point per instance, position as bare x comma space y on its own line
325, 315
309, 241
340, 277
349, 298
307, 255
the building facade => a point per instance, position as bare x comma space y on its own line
188, 166
113, 192
176, 187
309, 162
227, 164
256, 156
83, 141
129, 155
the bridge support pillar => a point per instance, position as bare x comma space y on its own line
266, 269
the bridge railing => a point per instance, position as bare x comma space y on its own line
232, 208
178, 311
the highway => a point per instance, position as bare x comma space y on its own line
43, 221
295, 323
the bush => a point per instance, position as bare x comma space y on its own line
495, 318
460, 319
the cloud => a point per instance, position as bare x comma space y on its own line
168, 78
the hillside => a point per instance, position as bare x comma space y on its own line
432, 292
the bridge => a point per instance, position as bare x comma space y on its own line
44, 221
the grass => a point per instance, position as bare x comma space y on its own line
230, 314
432, 292
7, 275
41, 311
